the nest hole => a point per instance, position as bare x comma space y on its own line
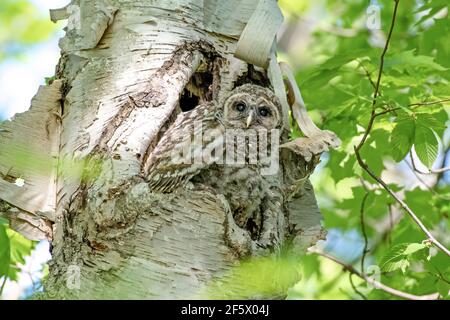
188, 101
197, 91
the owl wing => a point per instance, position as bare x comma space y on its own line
172, 163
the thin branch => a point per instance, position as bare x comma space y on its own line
377, 86
445, 156
432, 171
417, 173
386, 46
376, 284
363, 229
367, 73
441, 277
350, 275
366, 168
391, 223
368, 129
404, 206
3, 286
385, 227
416, 104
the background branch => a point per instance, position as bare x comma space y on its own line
377, 86
376, 284
403, 205
412, 105
357, 148
363, 230
350, 278
431, 171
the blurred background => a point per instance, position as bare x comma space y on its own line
334, 48
28, 55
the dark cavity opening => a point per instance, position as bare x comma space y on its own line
253, 228
188, 101
197, 91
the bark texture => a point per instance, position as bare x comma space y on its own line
126, 69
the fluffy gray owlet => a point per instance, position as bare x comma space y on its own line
219, 146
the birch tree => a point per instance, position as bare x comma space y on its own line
71, 167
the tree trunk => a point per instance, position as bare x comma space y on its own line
126, 70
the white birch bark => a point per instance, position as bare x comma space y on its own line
123, 68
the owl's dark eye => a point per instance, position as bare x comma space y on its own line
264, 112
240, 106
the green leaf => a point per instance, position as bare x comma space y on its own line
270, 275
426, 145
423, 204
443, 288
340, 60
434, 121
20, 247
398, 257
402, 138
414, 247
430, 9
396, 264
5, 255
341, 165
394, 258
408, 61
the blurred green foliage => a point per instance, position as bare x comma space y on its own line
260, 277
337, 75
21, 25
13, 249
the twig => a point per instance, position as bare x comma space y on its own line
366, 168
441, 277
404, 206
386, 46
376, 284
416, 104
432, 171
416, 173
363, 229
445, 156
350, 275
367, 73
377, 86
3, 286
387, 224
391, 223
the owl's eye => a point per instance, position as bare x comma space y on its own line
240, 106
264, 112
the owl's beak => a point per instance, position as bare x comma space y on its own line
249, 118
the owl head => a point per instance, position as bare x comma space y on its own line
252, 106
